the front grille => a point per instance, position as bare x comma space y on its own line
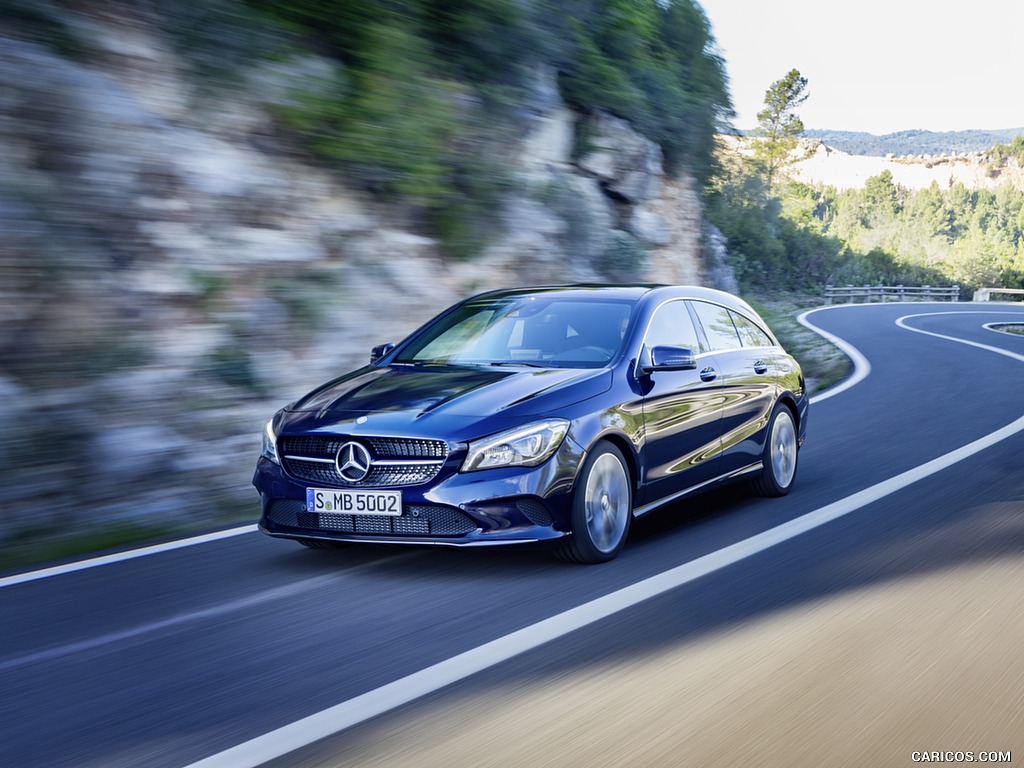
314, 472
415, 520
313, 445
394, 461
407, 448
401, 474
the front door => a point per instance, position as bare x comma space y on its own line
682, 411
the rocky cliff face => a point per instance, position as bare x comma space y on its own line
172, 273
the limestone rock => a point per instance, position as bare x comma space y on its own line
627, 164
650, 226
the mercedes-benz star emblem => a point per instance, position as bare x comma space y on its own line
353, 462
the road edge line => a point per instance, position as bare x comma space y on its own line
116, 557
861, 366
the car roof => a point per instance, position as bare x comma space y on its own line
654, 291
577, 291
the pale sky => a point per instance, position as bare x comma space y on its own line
878, 65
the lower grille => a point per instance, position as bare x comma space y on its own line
415, 520
285, 512
443, 521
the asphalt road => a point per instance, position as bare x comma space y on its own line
874, 612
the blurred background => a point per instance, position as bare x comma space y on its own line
208, 207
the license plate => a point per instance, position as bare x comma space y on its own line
346, 502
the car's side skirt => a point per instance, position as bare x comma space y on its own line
641, 511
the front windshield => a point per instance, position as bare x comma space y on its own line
524, 330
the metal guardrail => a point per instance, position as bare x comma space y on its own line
880, 293
984, 294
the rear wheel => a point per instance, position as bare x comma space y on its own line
602, 508
780, 454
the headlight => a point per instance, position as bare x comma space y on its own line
520, 447
270, 443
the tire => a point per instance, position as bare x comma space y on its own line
602, 508
779, 458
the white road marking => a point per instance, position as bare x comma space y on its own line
117, 557
997, 327
901, 322
376, 702
861, 366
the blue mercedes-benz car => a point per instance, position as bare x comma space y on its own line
553, 414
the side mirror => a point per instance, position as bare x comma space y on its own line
665, 358
379, 351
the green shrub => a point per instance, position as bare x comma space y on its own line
40, 21
1001, 153
232, 365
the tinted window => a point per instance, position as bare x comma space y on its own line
750, 334
718, 326
672, 326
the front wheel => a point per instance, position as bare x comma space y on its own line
780, 454
602, 508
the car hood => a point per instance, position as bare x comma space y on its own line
414, 394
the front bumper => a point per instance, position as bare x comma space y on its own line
496, 506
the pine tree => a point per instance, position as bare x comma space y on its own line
777, 124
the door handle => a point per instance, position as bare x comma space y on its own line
708, 374
760, 367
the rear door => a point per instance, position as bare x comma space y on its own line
746, 360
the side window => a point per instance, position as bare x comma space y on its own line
718, 326
750, 334
672, 326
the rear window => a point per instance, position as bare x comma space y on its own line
750, 334
718, 326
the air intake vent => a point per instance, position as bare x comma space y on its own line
415, 520
535, 511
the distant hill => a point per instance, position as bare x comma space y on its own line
914, 142
816, 161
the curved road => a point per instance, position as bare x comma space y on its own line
875, 612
